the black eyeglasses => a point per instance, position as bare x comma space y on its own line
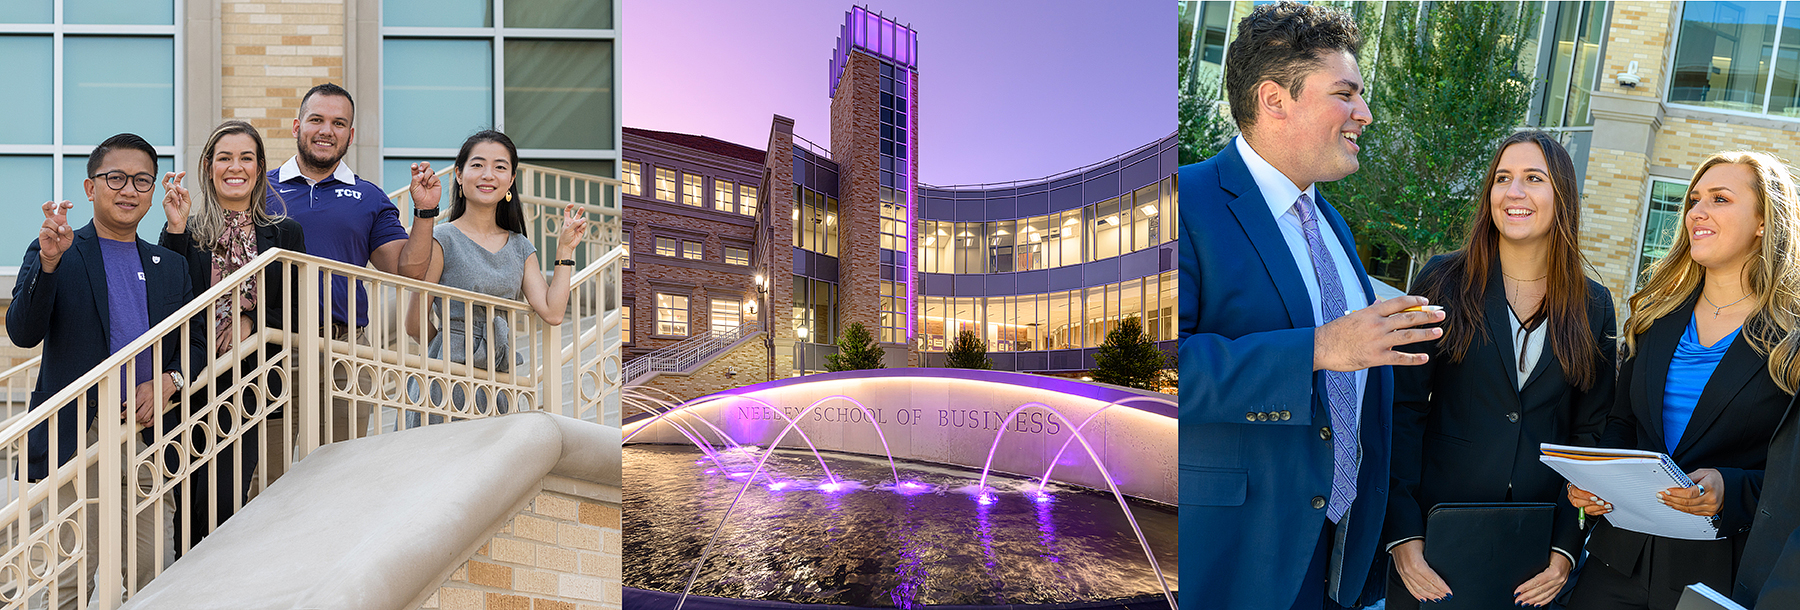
116, 179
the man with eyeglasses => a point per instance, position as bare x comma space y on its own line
85, 294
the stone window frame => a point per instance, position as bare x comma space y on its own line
747, 191
671, 179
625, 322
697, 251
674, 249
693, 189
712, 308
730, 260
728, 189
1640, 267
666, 302
632, 174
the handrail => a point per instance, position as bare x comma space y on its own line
690, 351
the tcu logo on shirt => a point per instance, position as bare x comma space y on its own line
349, 193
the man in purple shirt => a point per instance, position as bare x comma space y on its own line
348, 219
85, 294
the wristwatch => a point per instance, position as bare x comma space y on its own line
564, 261
425, 212
176, 379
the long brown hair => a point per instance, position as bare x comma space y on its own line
207, 219
1460, 284
1773, 270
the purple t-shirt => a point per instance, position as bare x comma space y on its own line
127, 305
343, 222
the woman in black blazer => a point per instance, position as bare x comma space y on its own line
1525, 359
1706, 378
230, 227
1769, 576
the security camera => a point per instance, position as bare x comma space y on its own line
1629, 78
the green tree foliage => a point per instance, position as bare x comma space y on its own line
1205, 124
968, 351
857, 350
1129, 358
1445, 87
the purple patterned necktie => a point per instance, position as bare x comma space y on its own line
1340, 387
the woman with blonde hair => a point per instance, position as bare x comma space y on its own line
229, 227
1709, 370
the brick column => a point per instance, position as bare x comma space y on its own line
776, 236
856, 146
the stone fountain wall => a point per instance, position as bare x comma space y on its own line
953, 416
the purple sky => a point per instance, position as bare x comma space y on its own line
1010, 90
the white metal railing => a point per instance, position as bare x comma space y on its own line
687, 354
94, 521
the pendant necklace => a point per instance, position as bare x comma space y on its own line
1719, 308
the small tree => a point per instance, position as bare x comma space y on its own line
968, 351
857, 350
1205, 125
1129, 358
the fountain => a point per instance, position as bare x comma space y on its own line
962, 527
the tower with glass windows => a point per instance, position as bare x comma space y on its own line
874, 139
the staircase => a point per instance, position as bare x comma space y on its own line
67, 540
686, 356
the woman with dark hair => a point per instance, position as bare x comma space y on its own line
484, 248
1525, 358
228, 229
1709, 370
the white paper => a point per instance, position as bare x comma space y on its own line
1630, 485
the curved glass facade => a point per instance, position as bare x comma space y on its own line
1052, 264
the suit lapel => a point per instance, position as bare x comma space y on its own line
1499, 322
1736, 368
1252, 213
87, 246
1656, 351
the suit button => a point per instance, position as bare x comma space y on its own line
1262, 416
1325, 433
1318, 501
1250, 416
1285, 415
1513, 417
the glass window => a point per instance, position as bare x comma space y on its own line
747, 200
28, 105
632, 173
1107, 223
726, 315
691, 192
1001, 335
690, 250
586, 14
671, 315
969, 247
723, 200
625, 324
1065, 239
931, 324
1065, 331
559, 93
937, 247
1031, 250
438, 13
1169, 208
802, 311
1097, 300
737, 256
665, 184
1662, 224
120, 12
824, 304
831, 226
1573, 65
1724, 52
435, 108
665, 246
1145, 224
100, 71
625, 237
1000, 246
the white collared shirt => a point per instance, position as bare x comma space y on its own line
292, 168
1281, 194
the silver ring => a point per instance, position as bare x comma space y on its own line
1702, 488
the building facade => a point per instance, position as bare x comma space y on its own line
1640, 92
1040, 269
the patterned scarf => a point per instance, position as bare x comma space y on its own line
235, 247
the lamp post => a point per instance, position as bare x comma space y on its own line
764, 317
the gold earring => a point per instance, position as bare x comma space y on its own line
509, 196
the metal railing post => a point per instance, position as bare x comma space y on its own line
114, 504
309, 387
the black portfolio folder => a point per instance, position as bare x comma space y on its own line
1484, 551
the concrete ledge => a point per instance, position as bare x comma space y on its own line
372, 522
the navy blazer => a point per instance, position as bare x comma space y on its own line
1769, 575
1256, 459
69, 313
1467, 432
1730, 431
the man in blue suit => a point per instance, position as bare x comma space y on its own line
1285, 394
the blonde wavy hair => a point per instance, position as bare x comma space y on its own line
1773, 270
207, 219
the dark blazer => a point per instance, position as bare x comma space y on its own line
1769, 575
69, 313
1256, 461
285, 234
1466, 432
1730, 431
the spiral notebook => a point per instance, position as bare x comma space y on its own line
1629, 480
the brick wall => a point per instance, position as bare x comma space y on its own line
1616, 181
1640, 32
778, 222
561, 552
272, 52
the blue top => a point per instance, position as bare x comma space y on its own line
126, 304
1688, 372
345, 219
